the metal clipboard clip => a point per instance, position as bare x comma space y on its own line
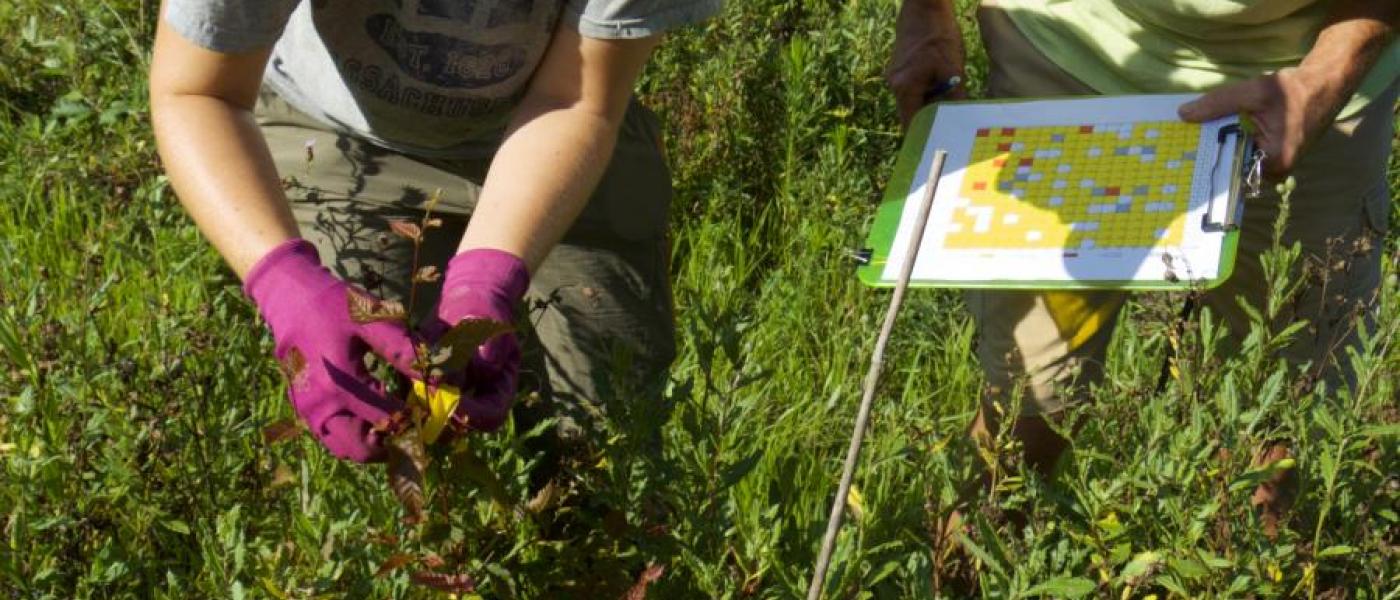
1250, 160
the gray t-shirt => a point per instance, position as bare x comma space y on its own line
431, 77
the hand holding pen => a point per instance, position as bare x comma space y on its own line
928, 60
943, 89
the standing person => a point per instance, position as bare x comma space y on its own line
1317, 78
295, 131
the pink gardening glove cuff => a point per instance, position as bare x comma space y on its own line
483, 283
321, 349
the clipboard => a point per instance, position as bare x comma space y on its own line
1101, 192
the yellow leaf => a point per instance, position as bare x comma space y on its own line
1110, 523
855, 503
273, 589
441, 403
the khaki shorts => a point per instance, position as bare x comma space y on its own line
1052, 345
599, 313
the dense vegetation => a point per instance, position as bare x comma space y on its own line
137, 389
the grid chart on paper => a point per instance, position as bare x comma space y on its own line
1104, 185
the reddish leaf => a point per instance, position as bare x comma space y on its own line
365, 309
393, 563
465, 337
427, 274
432, 561
392, 310
283, 430
282, 476
384, 538
391, 424
421, 359
406, 461
360, 306
459, 583
292, 366
751, 586
406, 229
545, 499
648, 577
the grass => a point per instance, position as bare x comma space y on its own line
136, 383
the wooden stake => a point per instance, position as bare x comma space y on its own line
833, 522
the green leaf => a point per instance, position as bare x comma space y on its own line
1173, 584
1380, 431
1188, 568
981, 554
466, 464
465, 337
884, 572
989, 537
1254, 477
9, 342
71, 108
177, 526
1064, 587
1142, 566
1331, 551
1213, 561
735, 473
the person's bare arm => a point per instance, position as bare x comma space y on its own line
213, 151
1293, 106
558, 144
928, 51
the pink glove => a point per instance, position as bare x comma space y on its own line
308, 311
482, 283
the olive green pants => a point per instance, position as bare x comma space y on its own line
598, 326
1052, 344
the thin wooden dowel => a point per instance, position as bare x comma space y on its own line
838, 505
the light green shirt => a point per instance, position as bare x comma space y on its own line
1147, 46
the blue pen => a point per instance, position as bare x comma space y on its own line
942, 88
